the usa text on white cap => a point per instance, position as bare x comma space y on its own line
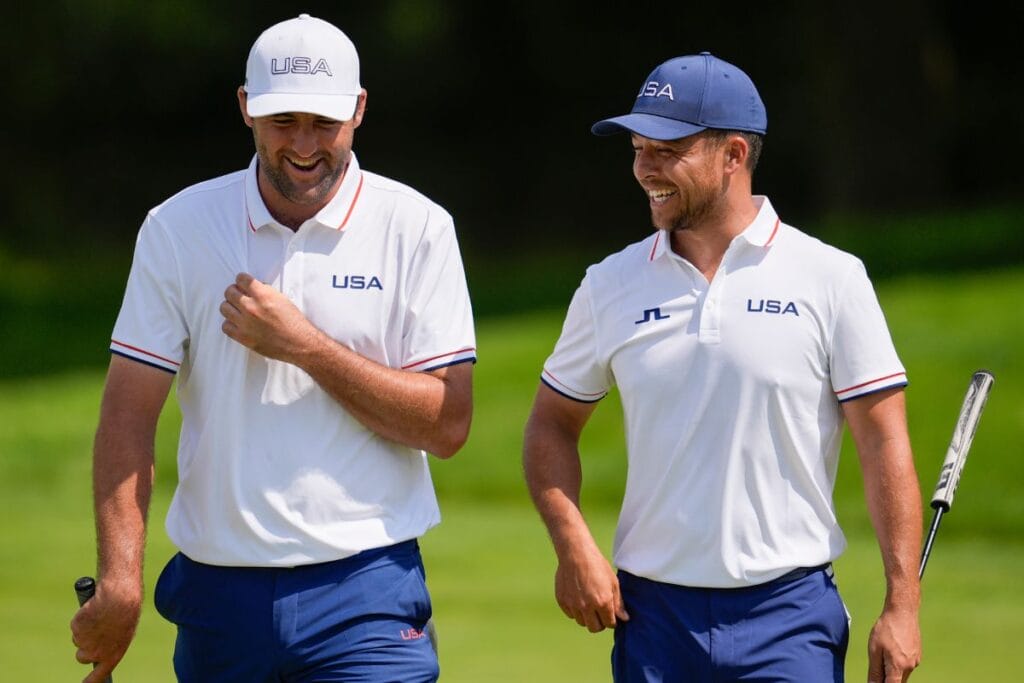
303, 65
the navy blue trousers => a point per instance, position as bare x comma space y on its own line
360, 620
793, 631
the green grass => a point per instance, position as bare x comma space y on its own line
490, 567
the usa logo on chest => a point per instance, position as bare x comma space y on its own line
356, 282
773, 306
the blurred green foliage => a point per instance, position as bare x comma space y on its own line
112, 106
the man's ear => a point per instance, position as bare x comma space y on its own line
242, 95
736, 152
357, 117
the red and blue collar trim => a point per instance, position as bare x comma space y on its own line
335, 215
760, 233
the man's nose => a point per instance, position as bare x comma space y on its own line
304, 141
643, 164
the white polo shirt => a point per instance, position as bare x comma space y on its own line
273, 471
730, 393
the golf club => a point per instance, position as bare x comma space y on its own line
956, 455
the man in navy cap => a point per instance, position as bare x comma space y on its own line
739, 346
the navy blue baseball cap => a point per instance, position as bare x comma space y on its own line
686, 95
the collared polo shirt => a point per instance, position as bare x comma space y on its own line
731, 396
273, 471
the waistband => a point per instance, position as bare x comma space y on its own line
795, 575
362, 558
788, 577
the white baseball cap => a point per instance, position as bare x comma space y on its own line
303, 65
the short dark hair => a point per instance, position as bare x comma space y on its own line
755, 142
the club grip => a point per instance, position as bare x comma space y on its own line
85, 588
963, 435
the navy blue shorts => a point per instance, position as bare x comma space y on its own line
360, 619
783, 631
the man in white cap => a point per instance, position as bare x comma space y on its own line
318, 323
739, 345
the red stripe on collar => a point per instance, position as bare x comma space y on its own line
654, 248
359, 188
774, 230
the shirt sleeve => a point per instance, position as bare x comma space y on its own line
151, 327
573, 368
863, 358
439, 318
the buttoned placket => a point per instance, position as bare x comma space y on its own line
292, 265
286, 383
711, 310
708, 295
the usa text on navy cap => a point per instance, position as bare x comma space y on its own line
686, 95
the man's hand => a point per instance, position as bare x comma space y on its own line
263, 319
103, 627
894, 647
587, 590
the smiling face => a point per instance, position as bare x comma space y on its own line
683, 179
302, 158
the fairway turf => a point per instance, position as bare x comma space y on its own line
490, 566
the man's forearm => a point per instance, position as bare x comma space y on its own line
427, 410
894, 502
123, 456
122, 489
554, 476
431, 411
878, 425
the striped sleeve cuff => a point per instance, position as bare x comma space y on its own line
465, 355
892, 381
560, 387
143, 356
